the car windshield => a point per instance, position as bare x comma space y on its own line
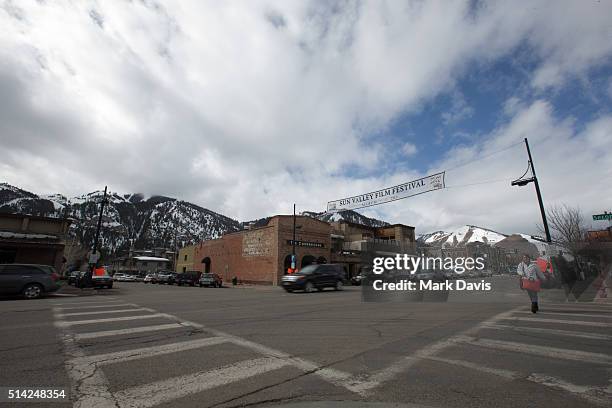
308, 270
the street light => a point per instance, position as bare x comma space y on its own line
533, 179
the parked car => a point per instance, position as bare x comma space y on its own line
150, 278
486, 273
190, 278
31, 281
73, 277
211, 280
124, 277
101, 279
314, 277
165, 277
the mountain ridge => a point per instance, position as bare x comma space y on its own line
131, 220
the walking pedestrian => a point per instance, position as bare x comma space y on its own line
531, 278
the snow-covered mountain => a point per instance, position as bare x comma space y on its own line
346, 215
461, 236
128, 219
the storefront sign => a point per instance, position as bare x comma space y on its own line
305, 244
409, 189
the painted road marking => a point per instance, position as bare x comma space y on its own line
571, 322
593, 394
89, 303
364, 387
111, 319
88, 383
584, 335
102, 312
145, 352
536, 350
551, 313
96, 306
132, 330
156, 393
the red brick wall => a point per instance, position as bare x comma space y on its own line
258, 255
311, 231
248, 255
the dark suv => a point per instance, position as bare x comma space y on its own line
32, 281
190, 278
313, 277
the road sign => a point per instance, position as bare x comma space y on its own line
601, 217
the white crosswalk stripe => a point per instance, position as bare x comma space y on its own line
131, 330
94, 307
550, 313
536, 350
97, 312
571, 322
65, 323
557, 332
156, 393
146, 352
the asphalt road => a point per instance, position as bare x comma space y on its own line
168, 346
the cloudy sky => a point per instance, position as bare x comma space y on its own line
245, 107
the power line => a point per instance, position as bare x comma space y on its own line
465, 163
480, 182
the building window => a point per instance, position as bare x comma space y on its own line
185, 257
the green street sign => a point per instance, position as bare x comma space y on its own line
601, 217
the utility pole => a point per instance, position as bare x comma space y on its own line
293, 260
534, 179
94, 250
537, 188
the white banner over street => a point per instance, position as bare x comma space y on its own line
409, 189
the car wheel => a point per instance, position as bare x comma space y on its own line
201, 285
289, 290
32, 291
309, 287
110, 286
339, 285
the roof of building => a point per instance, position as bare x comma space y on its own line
19, 235
151, 259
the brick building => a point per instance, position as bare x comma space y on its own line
32, 239
263, 254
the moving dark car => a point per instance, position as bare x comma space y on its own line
32, 281
211, 280
314, 277
190, 278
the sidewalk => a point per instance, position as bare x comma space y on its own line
252, 286
66, 289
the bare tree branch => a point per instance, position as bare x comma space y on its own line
567, 226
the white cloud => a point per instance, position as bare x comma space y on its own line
571, 167
246, 107
409, 149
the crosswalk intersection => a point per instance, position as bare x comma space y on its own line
105, 340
